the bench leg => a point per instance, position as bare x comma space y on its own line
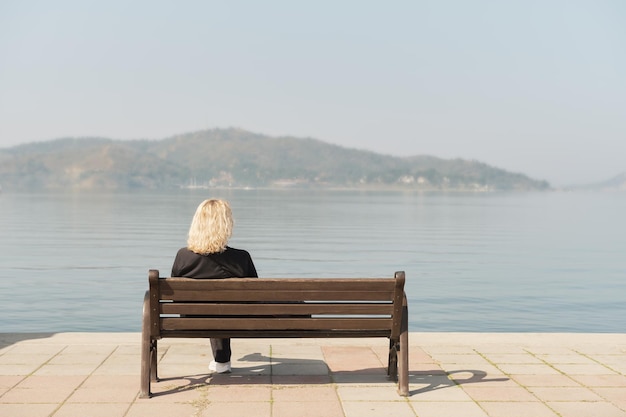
148, 353
392, 363
403, 361
148, 367
145, 368
153, 362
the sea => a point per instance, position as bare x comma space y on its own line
475, 262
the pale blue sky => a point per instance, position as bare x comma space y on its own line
537, 87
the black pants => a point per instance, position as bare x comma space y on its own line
221, 350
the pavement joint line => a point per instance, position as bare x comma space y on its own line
599, 363
62, 403
508, 375
33, 371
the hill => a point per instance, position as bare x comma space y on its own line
237, 158
617, 183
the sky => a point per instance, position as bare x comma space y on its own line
530, 86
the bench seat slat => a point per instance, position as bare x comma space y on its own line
273, 295
276, 309
265, 334
279, 284
221, 323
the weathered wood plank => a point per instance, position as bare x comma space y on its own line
222, 323
276, 309
261, 295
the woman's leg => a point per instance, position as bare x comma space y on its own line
221, 350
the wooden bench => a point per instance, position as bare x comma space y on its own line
276, 308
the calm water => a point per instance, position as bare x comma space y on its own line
545, 262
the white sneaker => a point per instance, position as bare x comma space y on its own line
220, 368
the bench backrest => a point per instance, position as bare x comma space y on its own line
281, 307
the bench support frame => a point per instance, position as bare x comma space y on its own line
157, 325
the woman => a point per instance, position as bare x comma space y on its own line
208, 256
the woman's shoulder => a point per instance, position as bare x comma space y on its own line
234, 251
185, 253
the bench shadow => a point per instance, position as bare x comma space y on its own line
439, 379
266, 370
193, 382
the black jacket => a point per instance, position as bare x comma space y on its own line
232, 263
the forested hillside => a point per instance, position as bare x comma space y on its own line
237, 158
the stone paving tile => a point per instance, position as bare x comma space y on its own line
620, 368
519, 358
19, 358
35, 349
27, 410
236, 409
92, 410
550, 350
123, 359
472, 369
582, 409
106, 381
527, 369
42, 389
306, 409
300, 369
441, 393
103, 395
351, 358
500, 348
473, 359
151, 408
189, 388
66, 369
514, 394
128, 350
563, 359
422, 368
251, 368
236, 379
448, 409
427, 381
43, 382
546, 394
255, 393
89, 350
583, 369
616, 396
362, 378
190, 395
377, 409
301, 379
449, 348
610, 359
19, 369
320, 394
9, 381
369, 393
521, 409
558, 380
417, 356
297, 352
72, 359
599, 348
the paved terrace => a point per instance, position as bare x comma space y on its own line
451, 374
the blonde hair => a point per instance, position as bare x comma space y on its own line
211, 227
